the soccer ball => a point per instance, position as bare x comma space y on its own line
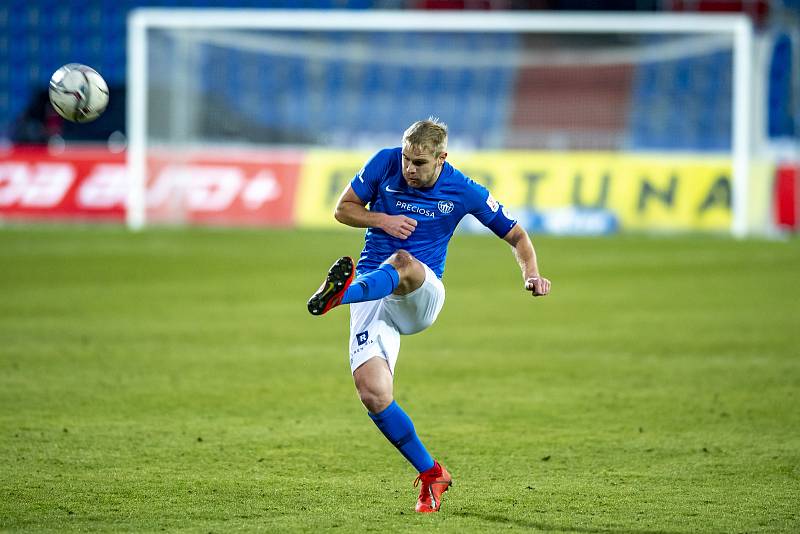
78, 93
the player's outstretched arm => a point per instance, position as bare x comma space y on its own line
518, 238
352, 211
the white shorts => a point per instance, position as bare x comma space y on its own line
376, 325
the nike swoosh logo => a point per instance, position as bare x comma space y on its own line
390, 190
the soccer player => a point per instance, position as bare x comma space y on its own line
415, 199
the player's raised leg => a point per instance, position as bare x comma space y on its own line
374, 383
401, 274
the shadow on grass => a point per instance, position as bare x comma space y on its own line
496, 518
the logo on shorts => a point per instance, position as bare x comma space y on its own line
362, 337
445, 206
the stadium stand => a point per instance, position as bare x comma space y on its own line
37, 37
654, 122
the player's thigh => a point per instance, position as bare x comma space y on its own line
372, 334
418, 310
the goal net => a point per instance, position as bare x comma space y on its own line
588, 122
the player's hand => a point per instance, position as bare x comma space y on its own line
538, 286
398, 226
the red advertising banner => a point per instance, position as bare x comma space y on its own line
231, 187
37, 183
224, 187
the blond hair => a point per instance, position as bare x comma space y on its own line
430, 134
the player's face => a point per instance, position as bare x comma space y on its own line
420, 167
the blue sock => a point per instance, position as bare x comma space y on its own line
372, 286
399, 430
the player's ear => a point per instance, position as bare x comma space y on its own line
442, 157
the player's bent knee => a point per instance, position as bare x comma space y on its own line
373, 382
411, 271
401, 260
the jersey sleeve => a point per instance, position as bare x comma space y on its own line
489, 211
366, 183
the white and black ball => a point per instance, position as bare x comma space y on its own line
78, 93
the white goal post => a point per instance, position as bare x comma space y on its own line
736, 27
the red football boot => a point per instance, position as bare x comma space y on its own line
330, 293
433, 483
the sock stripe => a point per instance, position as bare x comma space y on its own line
405, 439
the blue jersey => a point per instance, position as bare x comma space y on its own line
437, 210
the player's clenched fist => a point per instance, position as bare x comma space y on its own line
538, 286
398, 226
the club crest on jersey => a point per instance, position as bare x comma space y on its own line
445, 206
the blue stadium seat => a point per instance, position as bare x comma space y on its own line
780, 114
697, 94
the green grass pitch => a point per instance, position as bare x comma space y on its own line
173, 380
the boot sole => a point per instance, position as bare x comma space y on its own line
335, 283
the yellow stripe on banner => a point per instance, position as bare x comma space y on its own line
653, 191
323, 177
645, 191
